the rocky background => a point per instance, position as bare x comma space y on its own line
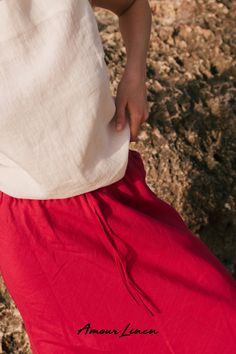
188, 144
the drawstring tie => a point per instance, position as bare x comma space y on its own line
138, 295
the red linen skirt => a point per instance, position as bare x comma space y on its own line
115, 270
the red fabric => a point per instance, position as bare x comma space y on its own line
114, 257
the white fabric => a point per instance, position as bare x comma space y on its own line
57, 135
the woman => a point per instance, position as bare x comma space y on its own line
94, 260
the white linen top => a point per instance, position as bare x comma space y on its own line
57, 135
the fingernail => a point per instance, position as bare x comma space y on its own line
119, 126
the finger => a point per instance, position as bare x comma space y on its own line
147, 109
135, 122
120, 115
145, 117
145, 114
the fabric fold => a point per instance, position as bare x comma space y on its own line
138, 295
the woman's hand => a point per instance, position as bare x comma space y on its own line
135, 19
131, 102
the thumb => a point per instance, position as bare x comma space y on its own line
120, 116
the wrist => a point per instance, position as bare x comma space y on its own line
136, 72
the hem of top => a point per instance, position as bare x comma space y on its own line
75, 191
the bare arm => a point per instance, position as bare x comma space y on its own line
135, 26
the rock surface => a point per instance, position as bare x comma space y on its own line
188, 144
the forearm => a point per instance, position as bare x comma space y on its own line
135, 27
